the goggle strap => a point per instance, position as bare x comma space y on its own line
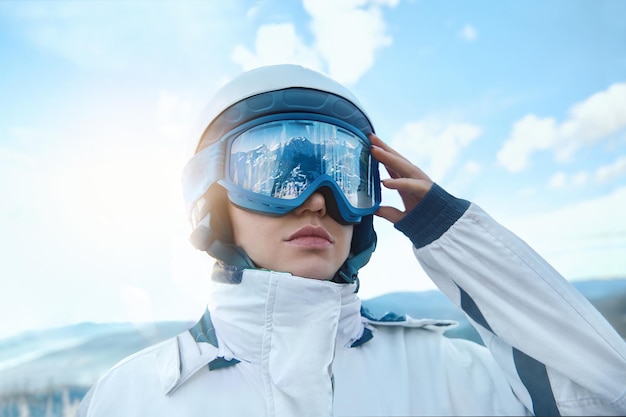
200, 172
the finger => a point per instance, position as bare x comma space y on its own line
418, 187
376, 141
396, 165
409, 193
411, 190
394, 160
391, 172
390, 213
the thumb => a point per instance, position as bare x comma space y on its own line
390, 213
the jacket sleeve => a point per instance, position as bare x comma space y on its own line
558, 352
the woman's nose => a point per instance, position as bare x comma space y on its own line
316, 203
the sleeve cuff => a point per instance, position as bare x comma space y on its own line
432, 217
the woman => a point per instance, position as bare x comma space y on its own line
282, 191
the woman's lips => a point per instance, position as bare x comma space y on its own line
311, 237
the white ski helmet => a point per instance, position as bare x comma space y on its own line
269, 139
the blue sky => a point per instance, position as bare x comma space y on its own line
517, 106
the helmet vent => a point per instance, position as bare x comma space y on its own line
260, 102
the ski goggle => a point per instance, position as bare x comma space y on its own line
273, 167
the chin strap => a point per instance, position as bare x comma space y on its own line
363, 245
349, 271
202, 238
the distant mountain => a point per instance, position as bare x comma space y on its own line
54, 368
287, 170
74, 355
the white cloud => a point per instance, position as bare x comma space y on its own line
580, 179
599, 116
529, 134
561, 180
603, 174
276, 43
468, 33
434, 146
558, 180
608, 172
473, 167
590, 121
123, 35
582, 240
253, 11
347, 36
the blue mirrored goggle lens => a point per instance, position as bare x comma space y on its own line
281, 159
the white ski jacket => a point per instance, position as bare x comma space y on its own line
271, 344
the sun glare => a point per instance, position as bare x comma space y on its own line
121, 198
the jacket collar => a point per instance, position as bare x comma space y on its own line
246, 306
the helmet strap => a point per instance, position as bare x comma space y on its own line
363, 245
349, 271
203, 238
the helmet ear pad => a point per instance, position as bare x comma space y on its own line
364, 237
220, 223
